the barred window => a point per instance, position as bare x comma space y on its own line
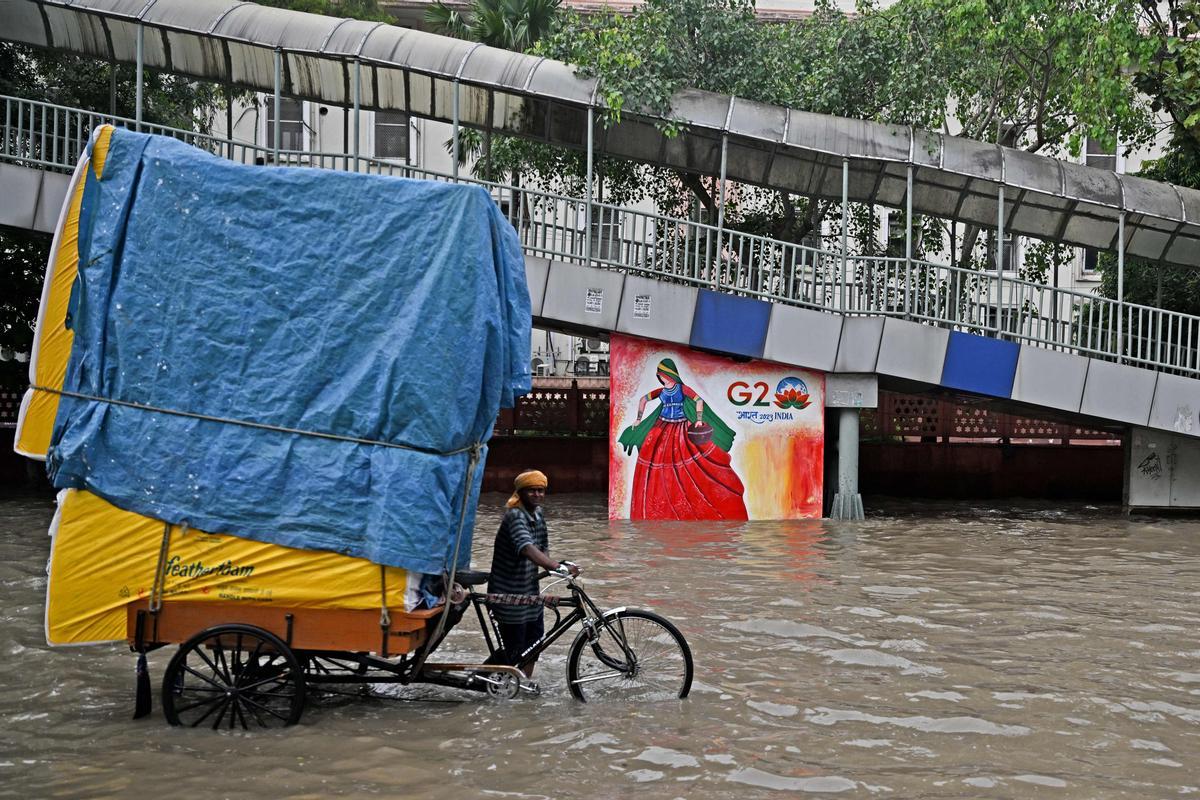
291, 124
391, 134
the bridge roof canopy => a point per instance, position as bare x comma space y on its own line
231, 41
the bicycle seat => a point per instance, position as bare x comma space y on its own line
467, 578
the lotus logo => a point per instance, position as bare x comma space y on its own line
791, 393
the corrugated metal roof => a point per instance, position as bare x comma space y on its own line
782, 148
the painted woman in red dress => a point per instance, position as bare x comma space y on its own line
683, 468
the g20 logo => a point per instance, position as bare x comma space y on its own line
790, 393
740, 393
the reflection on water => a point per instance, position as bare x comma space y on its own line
933, 652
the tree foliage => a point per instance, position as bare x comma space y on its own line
1042, 75
1171, 76
355, 9
508, 24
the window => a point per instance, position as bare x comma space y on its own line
391, 134
896, 233
1007, 318
606, 233
1097, 155
291, 124
1010, 251
1090, 256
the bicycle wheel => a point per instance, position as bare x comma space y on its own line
636, 655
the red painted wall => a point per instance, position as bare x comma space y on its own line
573, 464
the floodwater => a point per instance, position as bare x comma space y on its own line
934, 652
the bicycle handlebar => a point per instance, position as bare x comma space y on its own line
562, 571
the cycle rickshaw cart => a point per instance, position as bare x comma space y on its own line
232, 386
257, 672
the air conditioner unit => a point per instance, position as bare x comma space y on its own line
539, 368
583, 365
590, 345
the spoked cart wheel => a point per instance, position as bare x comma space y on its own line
235, 677
633, 655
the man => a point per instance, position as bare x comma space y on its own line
521, 548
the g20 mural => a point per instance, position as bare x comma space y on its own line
695, 436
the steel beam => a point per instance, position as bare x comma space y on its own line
845, 227
591, 177
456, 129
1120, 287
908, 266
1000, 263
141, 65
357, 109
721, 208
276, 129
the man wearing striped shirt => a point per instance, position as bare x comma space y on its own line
521, 549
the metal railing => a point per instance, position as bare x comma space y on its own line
691, 252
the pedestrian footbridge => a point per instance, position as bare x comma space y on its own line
598, 268
669, 279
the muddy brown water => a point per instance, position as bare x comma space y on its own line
939, 651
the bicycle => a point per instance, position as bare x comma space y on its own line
622, 652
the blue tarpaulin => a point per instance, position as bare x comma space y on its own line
300, 301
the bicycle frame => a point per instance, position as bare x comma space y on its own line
579, 603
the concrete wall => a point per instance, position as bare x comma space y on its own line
1163, 470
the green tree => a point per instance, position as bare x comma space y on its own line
354, 9
1171, 80
1041, 75
1171, 76
508, 24
1038, 75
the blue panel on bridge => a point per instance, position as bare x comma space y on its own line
730, 324
979, 364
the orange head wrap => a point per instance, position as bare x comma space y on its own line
530, 479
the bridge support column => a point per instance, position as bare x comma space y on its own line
847, 503
846, 394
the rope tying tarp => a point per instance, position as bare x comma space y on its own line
249, 424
